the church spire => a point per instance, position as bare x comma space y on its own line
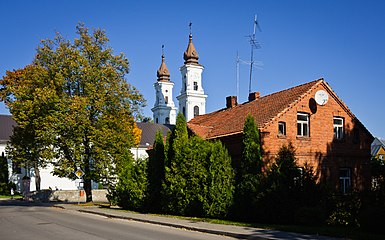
192, 98
191, 56
163, 73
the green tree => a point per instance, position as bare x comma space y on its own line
177, 139
33, 102
155, 174
219, 181
281, 196
174, 195
130, 190
4, 186
251, 162
249, 173
92, 120
198, 177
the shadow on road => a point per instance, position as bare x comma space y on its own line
23, 203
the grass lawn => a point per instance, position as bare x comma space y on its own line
9, 196
325, 230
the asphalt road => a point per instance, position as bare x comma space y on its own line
20, 220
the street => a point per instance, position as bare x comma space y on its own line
21, 220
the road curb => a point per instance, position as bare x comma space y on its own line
180, 226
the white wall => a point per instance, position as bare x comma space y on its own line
139, 153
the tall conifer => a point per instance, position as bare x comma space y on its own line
155, 174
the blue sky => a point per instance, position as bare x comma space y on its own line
341, 41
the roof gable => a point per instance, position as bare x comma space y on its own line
265, 110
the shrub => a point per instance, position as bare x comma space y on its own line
129, 192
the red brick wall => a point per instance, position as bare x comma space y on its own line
320, 150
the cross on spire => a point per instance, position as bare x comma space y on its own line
162, 50
190, 25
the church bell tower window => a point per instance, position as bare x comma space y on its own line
195, 86
196, 111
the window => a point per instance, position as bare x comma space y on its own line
302, 124
282, 128
338, 123
167, 120
156, 120
166, 100
196, 111
381, 156
345, 181
195, 86
184, 111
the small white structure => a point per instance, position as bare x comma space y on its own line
164, 108
192, 99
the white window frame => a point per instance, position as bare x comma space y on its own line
338, 128
345, 180
303, 126
283, 125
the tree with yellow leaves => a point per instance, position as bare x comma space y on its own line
85, 109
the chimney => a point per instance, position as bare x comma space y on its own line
253, 96
231, 101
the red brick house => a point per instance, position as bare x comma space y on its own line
324, 132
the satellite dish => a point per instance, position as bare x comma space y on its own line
321, 97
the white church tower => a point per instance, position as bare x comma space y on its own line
192, 99
164, 109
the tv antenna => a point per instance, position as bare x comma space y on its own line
253, 64
254, 45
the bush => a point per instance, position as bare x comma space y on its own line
346, 211
129, 192
310, 216
372, 218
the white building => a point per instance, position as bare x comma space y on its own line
164, 108
16, 173
192, 98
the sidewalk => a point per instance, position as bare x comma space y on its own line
218, 229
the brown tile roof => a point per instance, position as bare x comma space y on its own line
6, 126
264, 109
